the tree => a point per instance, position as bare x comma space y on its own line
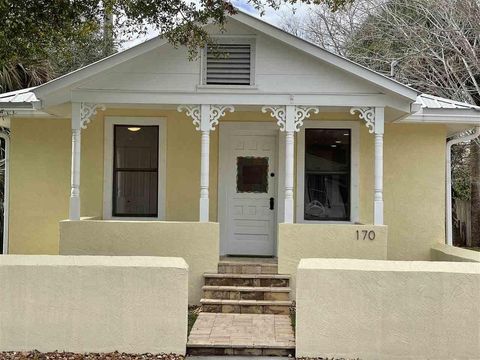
41, 39
432, 45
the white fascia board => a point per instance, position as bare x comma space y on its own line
327, 56
228, 98
28, 113
444, 116
97, 67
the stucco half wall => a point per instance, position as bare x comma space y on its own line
93, 304
299, 241
196, 242
387, 309
443, 252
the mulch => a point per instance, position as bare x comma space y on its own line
36, 355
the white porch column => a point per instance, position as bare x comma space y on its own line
205, 118
75, 172
375, 121
378, 202
289, 119
81, 116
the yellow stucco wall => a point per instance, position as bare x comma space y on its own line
93, 304
371, 309
40, 177
414, 194
344, 241
39, 184
195, 242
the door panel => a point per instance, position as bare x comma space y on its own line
250, 183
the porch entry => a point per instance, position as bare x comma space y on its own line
248, 190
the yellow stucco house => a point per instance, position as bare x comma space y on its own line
280, 150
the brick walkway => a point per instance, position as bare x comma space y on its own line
245, 330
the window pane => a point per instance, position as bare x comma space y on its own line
327, 174
136, 149
136, 193
135, 173
252, 174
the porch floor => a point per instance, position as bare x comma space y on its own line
245, 332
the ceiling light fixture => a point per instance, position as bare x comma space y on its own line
134, 129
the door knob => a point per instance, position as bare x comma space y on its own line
272, 203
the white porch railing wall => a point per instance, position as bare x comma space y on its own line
205, 117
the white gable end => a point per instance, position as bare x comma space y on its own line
278, 68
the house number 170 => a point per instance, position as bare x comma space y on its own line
365, 234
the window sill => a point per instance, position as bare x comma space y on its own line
133, 218
226, 87
325, 222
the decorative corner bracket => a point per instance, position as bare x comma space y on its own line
277, 112
367, 114
87, 110
302, 113
290, 117
205, 117
192, 111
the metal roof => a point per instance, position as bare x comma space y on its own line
18, 98
434, 102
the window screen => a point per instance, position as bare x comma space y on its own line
135, 171
327, 174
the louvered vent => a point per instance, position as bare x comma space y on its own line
229, 65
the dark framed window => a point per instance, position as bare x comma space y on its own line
135, 171
327, 174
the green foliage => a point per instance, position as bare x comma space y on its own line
41, 39
461, 171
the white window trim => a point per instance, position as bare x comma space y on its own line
6, 203
110, 121
230, 40
354, 172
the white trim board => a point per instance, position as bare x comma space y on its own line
265, 128
354, 172
6, 194
110, 121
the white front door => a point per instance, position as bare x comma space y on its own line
249, 184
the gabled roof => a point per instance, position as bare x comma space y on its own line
255, 23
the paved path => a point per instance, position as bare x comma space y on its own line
247, 330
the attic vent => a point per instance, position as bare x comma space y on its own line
230, 64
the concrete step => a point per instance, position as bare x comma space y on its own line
279, 307
246, 293
256, 280
247, 267
240, 350
241, 335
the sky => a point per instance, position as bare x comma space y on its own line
271, 16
